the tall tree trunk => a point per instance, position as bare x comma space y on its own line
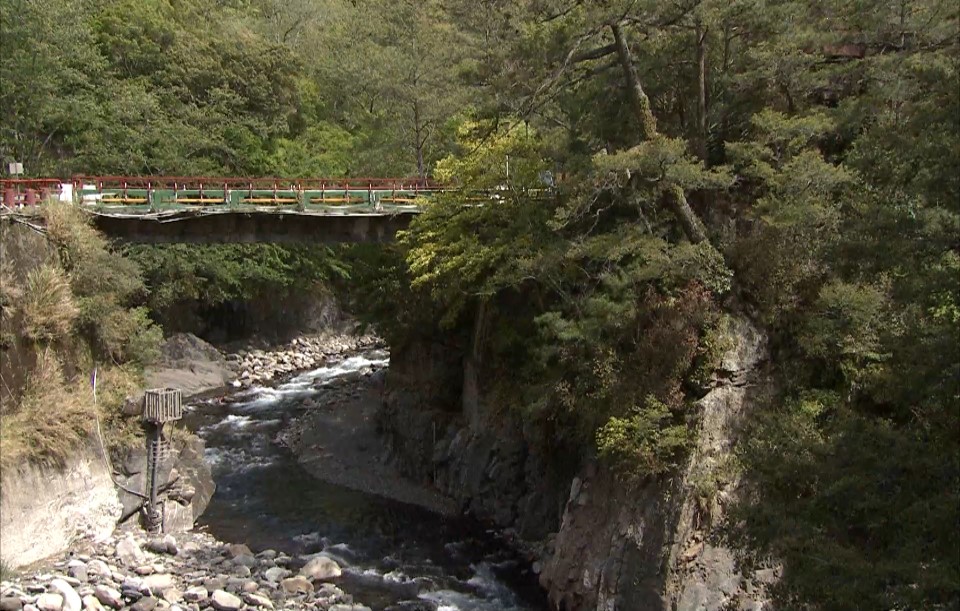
639, 99
701, 33
675, 197
418, 141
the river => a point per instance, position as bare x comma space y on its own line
390, 551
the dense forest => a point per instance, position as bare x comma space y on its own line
660, 164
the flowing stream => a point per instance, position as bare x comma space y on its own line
390, 551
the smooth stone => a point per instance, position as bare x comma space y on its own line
157, 582
321, 568
90, 603
172, 595
71, 600
108, 596
78, 572
147, 603
195, 594
129, 552
257, 600
297, 585
241, 571
238, 549
49, 602
247, 561
275, 574
225, 601
11, 603
144, 570
250, 586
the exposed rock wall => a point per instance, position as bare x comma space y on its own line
642, 547
441, 428
45, 509
654, 545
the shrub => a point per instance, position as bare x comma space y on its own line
47, 304
647, 442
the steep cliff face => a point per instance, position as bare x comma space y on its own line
655, 545
441, 428
606, 545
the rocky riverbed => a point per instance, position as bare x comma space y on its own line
258, 366
186, 572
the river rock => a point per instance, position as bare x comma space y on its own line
108, 596
275, 574
344, 607
147, 603
71, 600
225, 601
157, 582
49, 602
145, 569
247, 561
257, 600
10, 603
241, 571
165, 545
195, 594
129, 552
238, 549
172, 595
321, 568
90, 603
297, 585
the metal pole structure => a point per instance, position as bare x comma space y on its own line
159, 406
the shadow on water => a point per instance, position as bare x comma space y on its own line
391, 551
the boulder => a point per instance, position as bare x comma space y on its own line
129, 552
108, 596
275, 574
297, 585
321, 568
225, 601
49, 602
196, 594
157, 582
257, 600
147, 603
71, 600
90, 603
238, 549
11, 603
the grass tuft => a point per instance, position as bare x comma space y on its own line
47, 304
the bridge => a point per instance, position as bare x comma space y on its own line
220, 210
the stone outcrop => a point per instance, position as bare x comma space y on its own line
190, 364
187, 483
440, 428
44, 509
654, 545
602, 544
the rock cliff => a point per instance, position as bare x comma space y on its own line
604, 545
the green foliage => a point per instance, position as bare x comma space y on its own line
213, 274
47, 307
107, 289
647, 442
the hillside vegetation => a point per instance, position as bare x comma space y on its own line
68, 305
656, 165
